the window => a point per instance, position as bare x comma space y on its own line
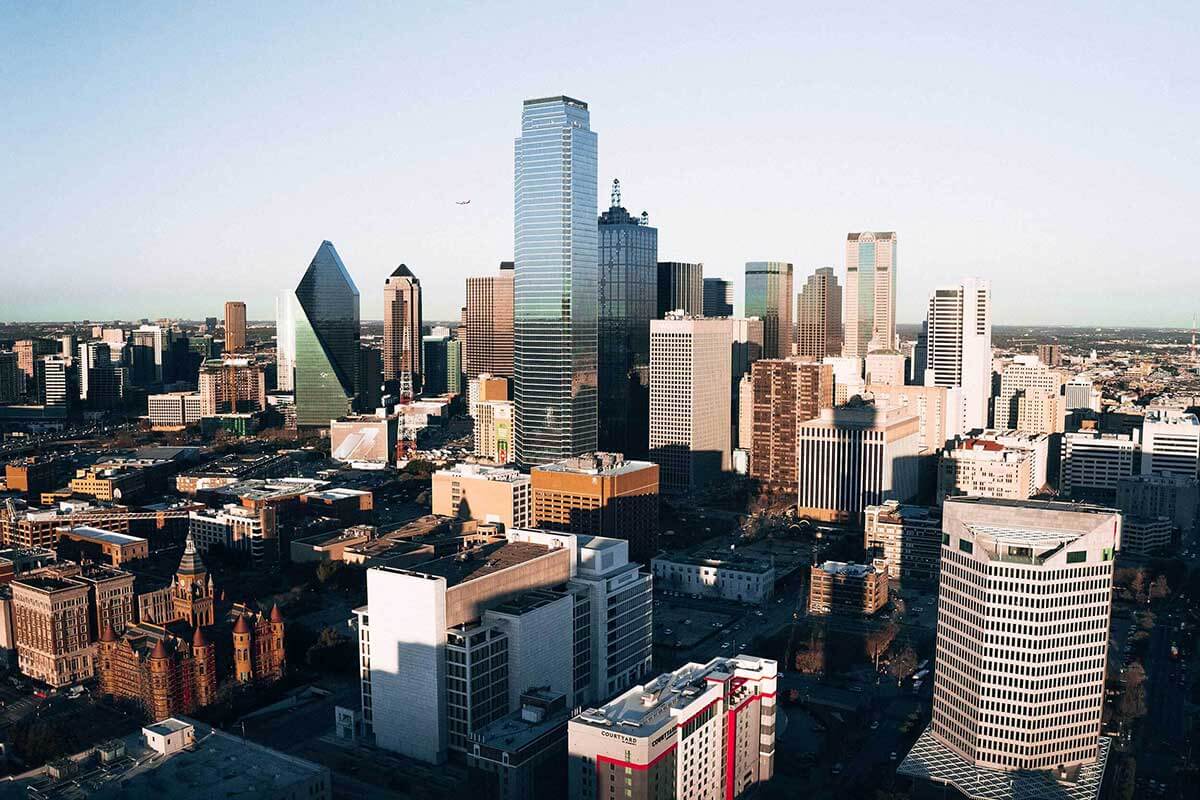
966, 545
1077, 557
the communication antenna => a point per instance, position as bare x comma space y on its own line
645, 218
616, 192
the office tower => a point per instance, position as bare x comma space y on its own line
1081, 393
94, 357
628, 299
1093, 463
600, 494
66, 344
494, 430
938, 410
690, 423
55, 387
747, 348
958, 346
703, 731
1050, 354
443, 365
554, 354
370, 379
718, 297
173, 410
1005, 465
744, 434
1146, 536
50, 620
836, 587
231, 386
855, 456
819, 316
786, 392
909, 538
12, 380
235, 326
1030, 397
285, 343
486, 494
613, 614
327, 340
151, 345
847, 378
1176, 497
1024, 604
768, 296
484, 388
402, 331
870, 297
680, 287
29, 350
489, 323
886, 368
1170, 443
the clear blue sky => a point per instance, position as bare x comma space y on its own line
158, 160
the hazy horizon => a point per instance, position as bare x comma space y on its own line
164, 159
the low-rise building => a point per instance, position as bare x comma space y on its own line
1006, 465
330, 546
173, 411
836, 587
486, 494
1145, 536
230, 469
523, 756
1176, 497
234, 528
96, 544
109, 484
909, 538
495, 430
703, 731
51, 629
1093, 463
727, 577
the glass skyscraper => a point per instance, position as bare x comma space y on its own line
554, 314
628, 296
326, 340
769, 297
870, 317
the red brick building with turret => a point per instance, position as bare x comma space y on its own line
172, 669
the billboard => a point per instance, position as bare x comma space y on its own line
362, 441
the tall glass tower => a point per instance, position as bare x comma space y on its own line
870, 317
628, 296
326, 340
554, 313
769, 297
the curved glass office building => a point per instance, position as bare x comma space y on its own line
326, 340
554, 314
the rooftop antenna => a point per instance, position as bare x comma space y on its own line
616, 192
645, 218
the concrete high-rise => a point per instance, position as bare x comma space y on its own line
718, 297
285, 342
1030, 397
680, 287
555, 298
489, 322
235, 326
1170, 443
1024, 606
690, 423
786, 391
855, 456
327, 340
958, 342
402, 330
768, 296
628, 300
870, 298
819, 316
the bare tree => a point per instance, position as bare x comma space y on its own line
1135, 675
1138, 586
903, 663
878, 642
810, 656
1159, 588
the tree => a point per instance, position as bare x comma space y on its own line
327, 570
903, 663
1133, 702
1159, 588
878, 642
810, 656
1126, 781
899, 607
1138, 586
1135, 675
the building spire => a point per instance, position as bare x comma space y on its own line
616, 193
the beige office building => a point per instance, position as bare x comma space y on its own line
235, 326
494, 431
486, 494
998, 464
402, 328
938, 410
1031, 398
870, 295
1024, 608
489, 323
819, 316
52, 629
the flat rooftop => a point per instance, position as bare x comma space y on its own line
484, 472
528, 601
595, 464
480, 562
734, 562
47, 583
108, 537
852, 570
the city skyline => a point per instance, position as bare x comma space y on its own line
1028, 126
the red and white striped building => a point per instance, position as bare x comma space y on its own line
704, 731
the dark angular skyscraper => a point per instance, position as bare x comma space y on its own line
718, 297
628, 295
554, 320
327, 340
680, 287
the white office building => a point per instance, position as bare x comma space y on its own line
1024, 605
958, 351
1093, 463
1170, 443
234, 528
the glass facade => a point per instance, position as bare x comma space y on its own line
628, 295
769, 297
554, 326
680, 288
718, 297
870, 295
326, 340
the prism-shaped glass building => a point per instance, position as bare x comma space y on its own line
326, 340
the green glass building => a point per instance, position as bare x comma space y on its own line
327, 340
